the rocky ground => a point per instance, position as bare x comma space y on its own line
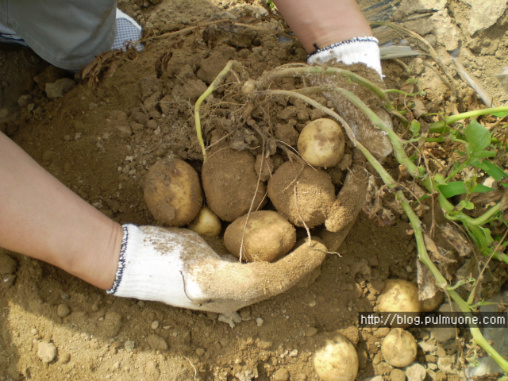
100, 134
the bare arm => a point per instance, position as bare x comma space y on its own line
43, 219
320, 23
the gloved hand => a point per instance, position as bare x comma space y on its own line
361, 56
177, 267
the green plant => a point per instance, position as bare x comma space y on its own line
478, 147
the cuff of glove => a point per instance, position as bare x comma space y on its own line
356, 50
130, 232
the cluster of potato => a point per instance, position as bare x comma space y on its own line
232, 185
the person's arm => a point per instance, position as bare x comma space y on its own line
332, 30
43, 219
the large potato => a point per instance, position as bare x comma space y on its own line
322, 143
302, 194
261, 236
337, 360
230, 183
399, 348
399, 296
172, 192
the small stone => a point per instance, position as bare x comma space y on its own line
311, 331
63, 310
446, 364
8, 280
157, 343
200, 351
58, 88
46, 352
259, 321
281, 375
7, 264
4, 112
155, 325
24, 100
65, 358
415, 372
129, 345
397, 375
245, 313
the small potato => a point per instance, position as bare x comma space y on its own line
399, 348
433, 303
172, 192
230, 183
337, 360
266, 237
399, 296
322, 143
206, 223
302, 194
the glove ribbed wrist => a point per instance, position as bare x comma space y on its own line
363, 50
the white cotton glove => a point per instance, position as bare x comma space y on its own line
177, 267
356, 50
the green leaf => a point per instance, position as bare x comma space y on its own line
477, 136
415, 127
480, 188
500, 114
490, 168
453, 188
485, 154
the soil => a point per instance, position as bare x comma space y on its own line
131, 109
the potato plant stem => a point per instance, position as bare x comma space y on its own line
197, 105
414, 221
319, 70
442, 125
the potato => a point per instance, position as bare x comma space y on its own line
433, 303
302, 194
172, 192
399, 296
322, 143
266, 237
230, 183
399, 348
206, 223
337, 360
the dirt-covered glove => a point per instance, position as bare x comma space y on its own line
361, 56
177, 267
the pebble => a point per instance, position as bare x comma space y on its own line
46, 351
157, 343
245, 314
397, 375
281, 375
129, 345
7, 264
8, 280
415, 372
311, 331
65, 358
446, 364
155, 325
259, 321
63, 310
58, 88
200, 351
